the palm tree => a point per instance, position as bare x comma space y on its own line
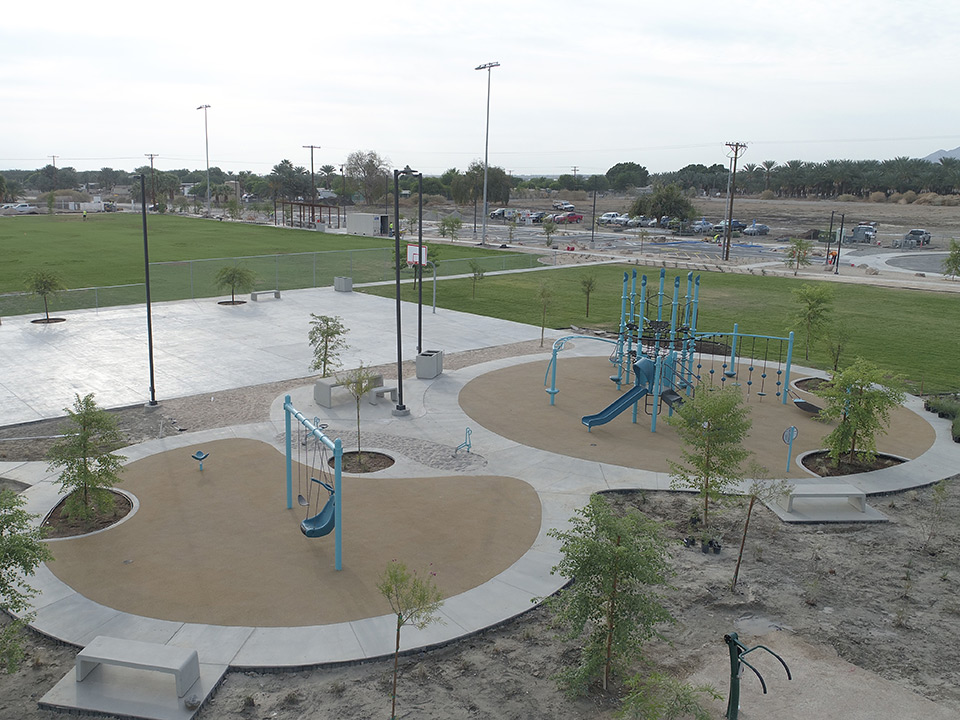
327, 172
768, 166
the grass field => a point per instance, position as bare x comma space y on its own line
106, 252
906, 332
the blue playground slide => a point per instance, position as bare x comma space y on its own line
322, 523
616, 407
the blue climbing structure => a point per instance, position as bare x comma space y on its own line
662, 356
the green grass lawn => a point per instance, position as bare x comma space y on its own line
107, 250
906, 332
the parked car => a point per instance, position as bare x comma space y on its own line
736, 225
607, 218
862, 233
914, 238
637, 221
498, 213
26, 209
621, 220
756, 229
568, 217
703, 226
537, 217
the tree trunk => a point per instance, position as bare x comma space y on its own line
610, 623
396, 662
743, 541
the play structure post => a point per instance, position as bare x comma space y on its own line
673, 310
786, 374
657, 380
663, 277
338, 508
732, 372
286, 424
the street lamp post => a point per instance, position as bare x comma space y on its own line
146, 277
400, 409
420, 263
486, 150
206, 137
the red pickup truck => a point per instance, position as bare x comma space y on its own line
568, 217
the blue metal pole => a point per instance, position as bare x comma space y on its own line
656, 394
286, 415
663, 276
786, 376
674, 308
732, 372
338, 507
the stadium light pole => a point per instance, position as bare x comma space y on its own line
486, 150
206, 138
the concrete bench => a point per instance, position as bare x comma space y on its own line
257, 293
182, 663
323, 388
854, 495
382, 392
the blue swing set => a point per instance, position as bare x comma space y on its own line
327, 519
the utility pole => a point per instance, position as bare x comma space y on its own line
54, 158
575, 169
736, 150
313, 183
153, 179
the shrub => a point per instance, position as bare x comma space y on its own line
878, 197
956, 429
847, 197
767, 195
909, 197
895, 198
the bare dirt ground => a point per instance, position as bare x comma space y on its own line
882, 597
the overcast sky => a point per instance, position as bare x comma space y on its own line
584, 84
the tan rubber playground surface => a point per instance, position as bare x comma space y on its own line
221, 548
513, 402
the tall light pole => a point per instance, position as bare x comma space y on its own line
486, 150
313, 183
206, 137
146, 277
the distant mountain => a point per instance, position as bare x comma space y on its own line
935, 156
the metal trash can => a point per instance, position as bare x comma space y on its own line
429, 364
343, 284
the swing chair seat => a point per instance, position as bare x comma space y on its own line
323, 522
806, 406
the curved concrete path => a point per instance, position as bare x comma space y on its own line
563, 484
